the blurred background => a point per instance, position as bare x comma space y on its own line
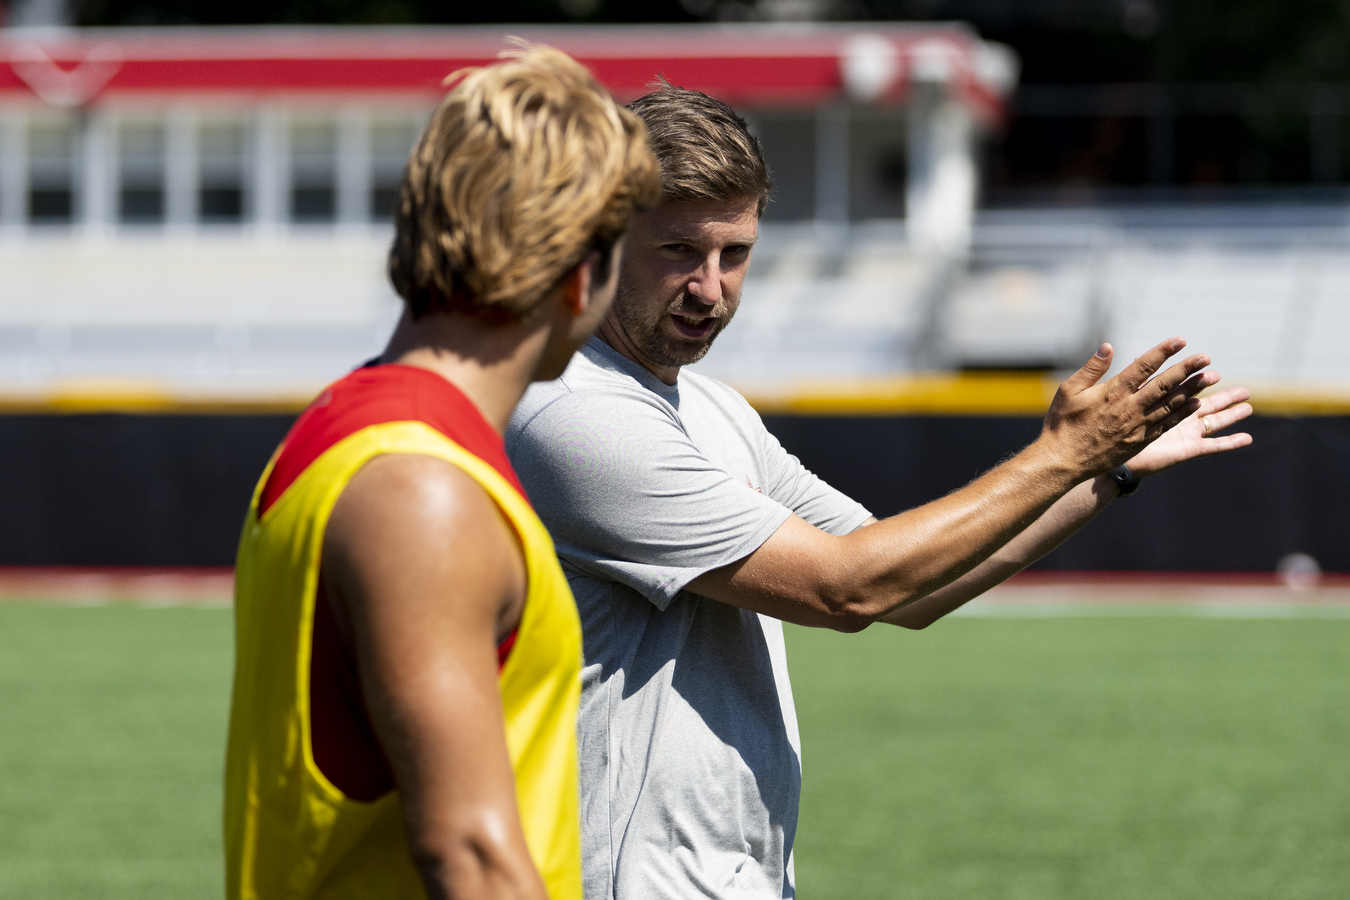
970, 195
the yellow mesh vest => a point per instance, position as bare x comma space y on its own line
289, 833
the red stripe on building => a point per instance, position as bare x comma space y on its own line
742, 64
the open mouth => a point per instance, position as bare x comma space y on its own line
694, 326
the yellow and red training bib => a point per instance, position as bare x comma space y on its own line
311, 809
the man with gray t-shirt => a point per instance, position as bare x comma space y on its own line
689, 534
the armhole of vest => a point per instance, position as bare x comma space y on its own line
513, 506
306, 670
256, 511
527, 558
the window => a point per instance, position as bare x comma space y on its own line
789, 140
141, 167
313, 170
391, 141
223, 158
51, 172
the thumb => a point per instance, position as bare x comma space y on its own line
1091, 373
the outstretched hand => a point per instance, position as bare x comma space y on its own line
1198, 434
1099, 426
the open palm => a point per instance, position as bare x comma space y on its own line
1190, 438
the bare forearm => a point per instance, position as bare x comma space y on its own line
1192, 439
804, 576
801, 575
1068, 514
464, 830
475, 868
923, 550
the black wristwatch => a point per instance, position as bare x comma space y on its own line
1126, 480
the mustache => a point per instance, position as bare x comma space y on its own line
682, 306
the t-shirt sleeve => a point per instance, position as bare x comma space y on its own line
786, 480
806, 494
629, 498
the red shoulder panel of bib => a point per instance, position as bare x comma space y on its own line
375, 395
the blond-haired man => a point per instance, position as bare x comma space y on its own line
403, 722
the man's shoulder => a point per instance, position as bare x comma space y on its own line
706, 384
726, 399
592, 389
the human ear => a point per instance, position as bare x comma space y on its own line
577, 284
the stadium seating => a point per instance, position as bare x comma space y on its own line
255, 315
1263, 290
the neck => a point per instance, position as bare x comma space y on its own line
612, 333
491, 364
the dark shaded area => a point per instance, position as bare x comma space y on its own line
1291, 137
1083, 151
50, 205
222, 204
129, 490
1239, 512
1060, 41
172, 490
141, 205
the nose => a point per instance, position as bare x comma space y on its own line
705, 284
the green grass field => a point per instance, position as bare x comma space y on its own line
1136, 757
1160, 757
112, 730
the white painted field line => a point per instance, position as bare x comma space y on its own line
1125, 598
989, 609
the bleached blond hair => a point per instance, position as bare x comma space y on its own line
527, 166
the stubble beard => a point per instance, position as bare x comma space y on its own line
653, 343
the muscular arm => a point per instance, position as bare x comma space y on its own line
425, 576
804, 575
1079, 506
1068, 514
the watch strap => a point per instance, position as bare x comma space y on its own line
1126, 480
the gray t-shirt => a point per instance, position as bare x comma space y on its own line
690, 756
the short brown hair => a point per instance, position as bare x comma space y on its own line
526, 167
705, 149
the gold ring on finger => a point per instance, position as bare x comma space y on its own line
1209, 429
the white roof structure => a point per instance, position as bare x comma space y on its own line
202, 214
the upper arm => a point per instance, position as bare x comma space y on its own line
798, 575
628, 497
427, 573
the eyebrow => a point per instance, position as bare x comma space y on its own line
686, 239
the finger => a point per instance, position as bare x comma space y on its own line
1091, 372
1181, 399
1138, 373
1211, 446
1225, 418
1224, 399
1176, 376
1160, 425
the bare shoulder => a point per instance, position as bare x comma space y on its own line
412, 529
414, 492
